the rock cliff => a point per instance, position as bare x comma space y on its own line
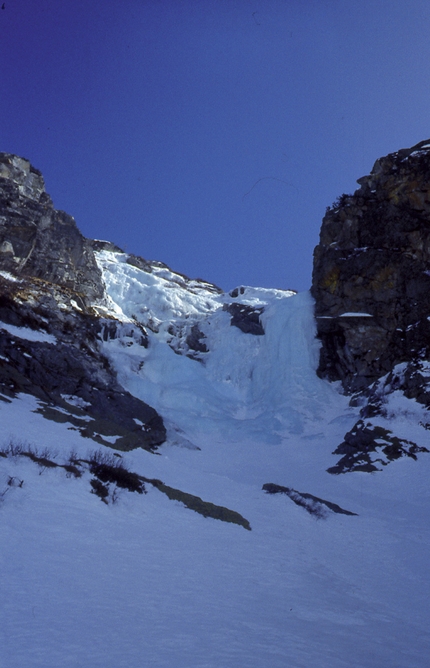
50, 290
37, 240
371, 284
371, 279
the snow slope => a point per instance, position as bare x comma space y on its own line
148, 582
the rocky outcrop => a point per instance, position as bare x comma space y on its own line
50, 323
246, 318
371, 277
367, 447
371, 284
312, 504
37, 240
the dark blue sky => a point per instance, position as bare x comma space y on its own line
211, 134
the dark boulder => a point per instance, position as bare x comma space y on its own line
246, 318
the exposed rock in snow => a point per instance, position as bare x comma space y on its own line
312, 504
368, 446
246, 318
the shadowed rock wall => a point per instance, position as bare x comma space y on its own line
371, 276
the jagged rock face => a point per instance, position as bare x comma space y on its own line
371, 277
39, 241
52, 320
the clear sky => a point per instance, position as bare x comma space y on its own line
211, 134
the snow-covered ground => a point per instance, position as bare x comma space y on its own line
147, 581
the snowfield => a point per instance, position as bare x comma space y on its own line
147, 582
